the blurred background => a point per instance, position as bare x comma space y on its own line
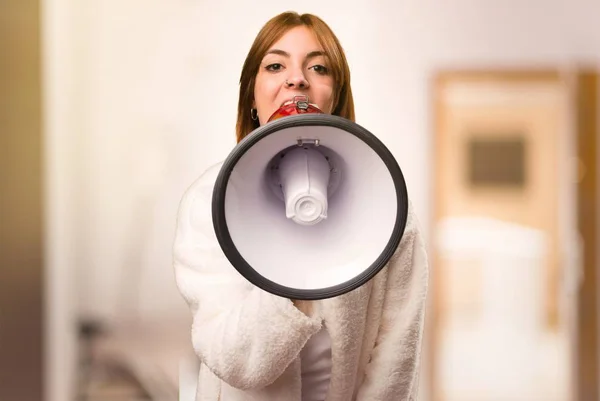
111, 109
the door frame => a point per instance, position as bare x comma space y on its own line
586, 121
22, 257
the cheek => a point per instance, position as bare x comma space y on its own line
325, 99
265, 91
258, 92
330, 101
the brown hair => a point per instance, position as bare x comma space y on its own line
273, 30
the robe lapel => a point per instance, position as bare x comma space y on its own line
345, 317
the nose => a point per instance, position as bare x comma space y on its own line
297, 80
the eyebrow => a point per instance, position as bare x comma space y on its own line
283, 53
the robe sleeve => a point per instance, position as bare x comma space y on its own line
392, 373
246, 336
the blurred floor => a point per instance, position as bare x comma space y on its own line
477, 367
494, 343
134, 362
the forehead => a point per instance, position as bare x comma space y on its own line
298, 40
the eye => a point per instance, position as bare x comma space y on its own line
274, 67
320, 69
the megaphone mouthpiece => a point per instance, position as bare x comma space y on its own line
304, 177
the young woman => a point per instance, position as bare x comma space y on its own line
363, 345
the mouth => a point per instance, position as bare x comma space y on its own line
296, 105
294, 99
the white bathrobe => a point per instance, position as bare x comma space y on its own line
249, 341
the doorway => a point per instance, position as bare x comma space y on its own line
507, 246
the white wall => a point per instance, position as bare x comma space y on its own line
61, 65
150, 102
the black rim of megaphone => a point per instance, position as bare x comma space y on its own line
305, 120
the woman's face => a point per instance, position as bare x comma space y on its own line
294, 65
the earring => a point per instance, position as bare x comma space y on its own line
254, 114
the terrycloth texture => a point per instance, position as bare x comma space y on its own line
249, 341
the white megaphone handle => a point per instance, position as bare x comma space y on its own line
304, 177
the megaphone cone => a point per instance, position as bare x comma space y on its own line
310, 205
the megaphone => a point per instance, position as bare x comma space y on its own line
309, 205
